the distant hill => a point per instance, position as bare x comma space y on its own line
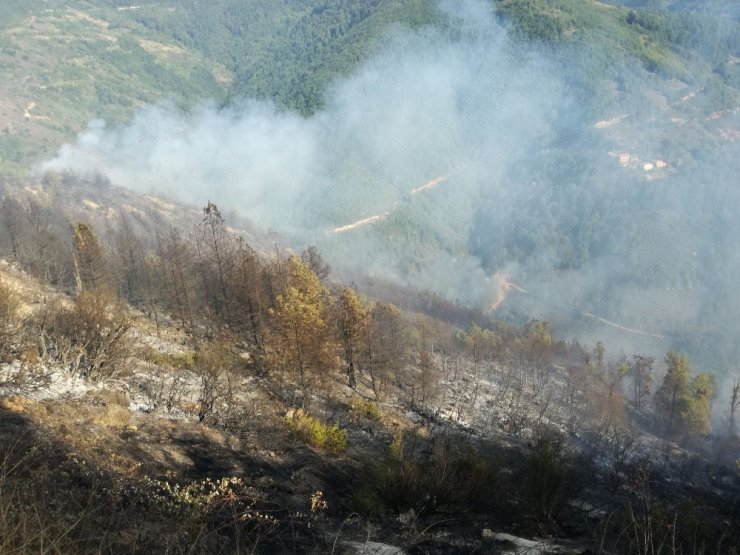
68, 62
612, 194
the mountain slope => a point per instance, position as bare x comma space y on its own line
586, 148
70, 62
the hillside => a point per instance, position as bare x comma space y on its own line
71, 62
388, 276
153, 392
563, 137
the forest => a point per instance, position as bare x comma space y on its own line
542, 117
387, 276
408, 413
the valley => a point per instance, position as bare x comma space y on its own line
357, 277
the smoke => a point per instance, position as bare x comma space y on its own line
462, 152
425, 105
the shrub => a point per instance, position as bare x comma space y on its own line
8, 325
549, 479
434, 475
114, 416
91, 339
543, 479
179, 361
367, 409
314, 432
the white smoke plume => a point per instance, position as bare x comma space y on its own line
462, 154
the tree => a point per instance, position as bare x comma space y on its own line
215, 260
353, 322
89, 258
642, 379
48, 255
684, 405
599, 353
91, 338
135, 271
540, 344
670, 399
174, 254
697, 414
214, 364
299, 344
12, 215
249, 295
540, 353
312, 258
428, 382
607, 401
385, 349
671, 396
734, 406
481, 344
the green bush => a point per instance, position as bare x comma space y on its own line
314, 432
432, 475
367, 409
180, 361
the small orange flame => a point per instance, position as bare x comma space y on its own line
504, 284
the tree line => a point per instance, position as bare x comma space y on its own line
304, 332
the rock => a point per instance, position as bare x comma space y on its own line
487, 534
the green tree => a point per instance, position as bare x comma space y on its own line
353, 322
697, 414
671, 398
299, 345
684, 405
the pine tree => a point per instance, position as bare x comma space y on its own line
697, 414
642, 379
299, 345
89, 259
385, 350
671, 398
353, 323
684, 405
